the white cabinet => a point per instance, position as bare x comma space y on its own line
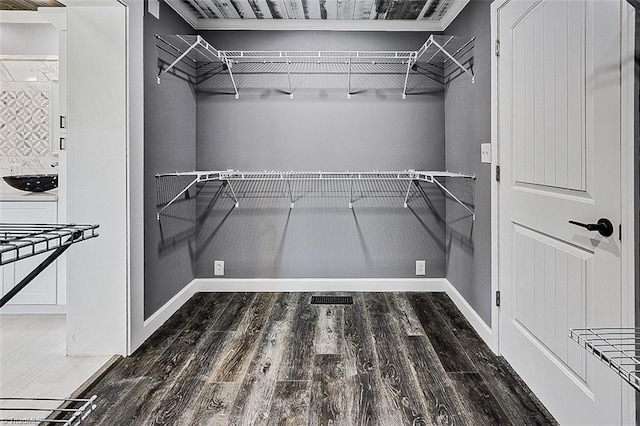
43, 290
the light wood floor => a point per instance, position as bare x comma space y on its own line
33, 361
274, 359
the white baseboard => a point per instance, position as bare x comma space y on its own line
320, 284
33, 309
161, 316
472, 316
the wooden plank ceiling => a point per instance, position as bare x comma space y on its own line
28, 4
318, 9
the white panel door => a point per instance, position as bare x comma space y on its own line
559, 113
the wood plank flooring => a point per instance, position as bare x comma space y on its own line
274, 359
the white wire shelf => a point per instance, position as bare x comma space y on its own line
229, 176
67, 411
616, 347
439, 51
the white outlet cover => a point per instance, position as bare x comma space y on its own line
485, 152
421, 267
218, 267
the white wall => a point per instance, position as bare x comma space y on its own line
98, 272
135, 17
28, 39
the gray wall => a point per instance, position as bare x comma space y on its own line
319, 130
28, 39
170, 145
467, 125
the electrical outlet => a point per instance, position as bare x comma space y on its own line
485, 152
421, 267
218, 267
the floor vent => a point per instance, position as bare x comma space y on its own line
331, 300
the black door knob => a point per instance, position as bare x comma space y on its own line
604, 226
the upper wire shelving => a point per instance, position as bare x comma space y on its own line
438, 50
230, 176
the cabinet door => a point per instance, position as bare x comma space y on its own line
42, 290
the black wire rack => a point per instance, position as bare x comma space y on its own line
67, 411
20, 241
616, 347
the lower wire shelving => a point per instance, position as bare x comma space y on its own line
230, 176
20, 241
616, 347
67, 411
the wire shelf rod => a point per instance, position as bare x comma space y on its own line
455, 61
460, 49
176, 61
230, 176
444, 45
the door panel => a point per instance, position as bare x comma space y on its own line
548, 95
559, 117
550, 279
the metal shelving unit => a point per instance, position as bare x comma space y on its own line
23, 240
69, 411
20, 241
616, 347
439, 51
230, 176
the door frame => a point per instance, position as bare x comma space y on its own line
627, 187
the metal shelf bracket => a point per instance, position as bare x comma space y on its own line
233, 193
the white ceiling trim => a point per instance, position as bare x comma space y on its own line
317, 24
184, 12
452, 13
21, 17
57, 16
91, 3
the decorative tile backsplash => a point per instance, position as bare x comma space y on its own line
24, 122
25, 116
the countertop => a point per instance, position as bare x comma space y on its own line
11, 194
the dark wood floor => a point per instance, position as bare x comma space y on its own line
274, 359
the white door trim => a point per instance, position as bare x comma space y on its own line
495, 281
627, 193
137, 331
627, 190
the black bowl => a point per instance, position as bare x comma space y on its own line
32, 183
